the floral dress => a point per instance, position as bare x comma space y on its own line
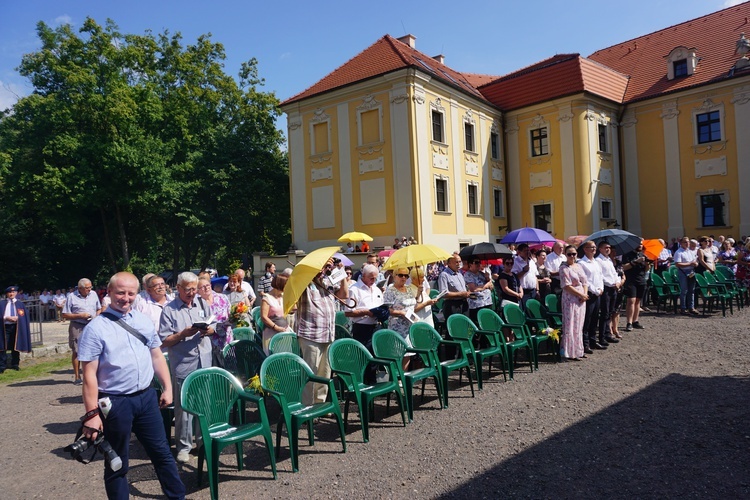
220, 310
401, 301
743, 268
573, 311
730, 254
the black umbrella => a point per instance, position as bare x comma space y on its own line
622, 241
485, 251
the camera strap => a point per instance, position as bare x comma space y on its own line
94, 446
132, 331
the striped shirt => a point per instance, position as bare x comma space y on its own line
315, 318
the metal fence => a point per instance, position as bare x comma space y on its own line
37, 312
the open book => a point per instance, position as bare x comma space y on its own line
202, 325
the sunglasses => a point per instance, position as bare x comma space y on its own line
572, 254
402, 275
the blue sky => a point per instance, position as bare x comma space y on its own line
297, 43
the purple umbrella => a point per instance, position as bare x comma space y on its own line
528, 235
344, 260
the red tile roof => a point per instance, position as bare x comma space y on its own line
385, 56
558, 76
644, 58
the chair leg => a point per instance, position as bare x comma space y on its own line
471, 382
408, 396
341, 430
269, 446
294, 443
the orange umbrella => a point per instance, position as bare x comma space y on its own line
652, 249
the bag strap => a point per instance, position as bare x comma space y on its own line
132, 331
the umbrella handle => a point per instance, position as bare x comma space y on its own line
342, 301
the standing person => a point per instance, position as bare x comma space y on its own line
315, 321
45, 298
244, 286
727, 255
525, 270
664, 259
365, 247
686, 261
574, 297
424, 305
16, 333
264, 283
480, 287
81, 306
272, 310
59, 300
119, 365
155, 299
507, 282
743, 264
607, 299
635, 266
543, 275
706, 257
403, 300
455, 301
218, 304
595, 288
614, 323
367, 296
189, 349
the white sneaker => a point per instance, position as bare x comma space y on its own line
183, 457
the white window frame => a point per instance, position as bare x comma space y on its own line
602, 201
699, 205
678, 54
437, 107
320, 117
367, 106
551, 211
477, 198
447, 180
495, 141
709, 106
497, 191
607, 139
536, 124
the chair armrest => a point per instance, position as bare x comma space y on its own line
320, 380
382, 361
418, 351
342, 372
249, 396
450, 342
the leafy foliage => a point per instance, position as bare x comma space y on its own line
137, 151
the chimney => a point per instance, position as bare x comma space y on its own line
409, 40
439, 58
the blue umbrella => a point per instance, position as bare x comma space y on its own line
528, 235
222, 280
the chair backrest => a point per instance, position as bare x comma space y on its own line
710, 279
673, 272
552, 303
702, 285
423, 336
434, 293
341, 319
351, 356
342, 332
461, 328
658, 283
257, 321
286, 373
210, 394
388, 344
284, 342
534, 309
669, 278
243, 333
724, 273
244, 359
514, 314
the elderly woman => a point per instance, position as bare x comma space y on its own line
480, 285
743, 265
402, 298
705, 256
272, 311
219, 307
234, 291
423, 309
574, 296
727, 255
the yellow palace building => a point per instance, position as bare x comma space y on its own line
652, 135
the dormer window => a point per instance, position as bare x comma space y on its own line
681, 62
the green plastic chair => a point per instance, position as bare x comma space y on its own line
243, 359
210, 394
516, 318
255, 316
491, 321
284, 376
664, 295
425, 337
342, 320
535, 315
554, 315
726, 276
389, 345
724, 289
348, 359
463, 330
711, 294
284, 342
672, 282
342, 332
243, 333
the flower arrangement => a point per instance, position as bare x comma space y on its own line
254, 385
553, 334
238, 314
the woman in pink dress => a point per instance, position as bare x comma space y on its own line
574, 296
272, 311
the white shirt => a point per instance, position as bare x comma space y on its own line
7, 312
59, 300
609, 274
151, 308
554, 261
367, 297
683, 256
245, 288
593, 272
528, 280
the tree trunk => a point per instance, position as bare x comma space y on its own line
108, 242
123, 238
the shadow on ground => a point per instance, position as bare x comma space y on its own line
680, 437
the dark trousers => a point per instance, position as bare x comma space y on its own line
363, 334
139, 414
591, 321
528, 293
474, 313
606, 306
10, 343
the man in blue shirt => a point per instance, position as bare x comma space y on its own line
120, 366
80, 307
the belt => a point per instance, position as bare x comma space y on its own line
529, 290
131, 395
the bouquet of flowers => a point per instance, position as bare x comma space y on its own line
553, 334
238, 314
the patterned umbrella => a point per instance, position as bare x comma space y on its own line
528, 235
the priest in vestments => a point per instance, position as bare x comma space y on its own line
16, 333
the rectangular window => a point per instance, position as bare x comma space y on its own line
469, 136
495, 145
539, 146
370, 126
437, 126
606, 209
712, 210
543, 217
497, 198
680, 68
709, 127
441, 195
320, 131
473, 200
603, 138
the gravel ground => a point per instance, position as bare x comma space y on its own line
661, 414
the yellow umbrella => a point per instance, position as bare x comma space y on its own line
303, 274
414, 255
354, 237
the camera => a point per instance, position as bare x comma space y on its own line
82, 443
336, 262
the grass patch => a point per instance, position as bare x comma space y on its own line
32, 368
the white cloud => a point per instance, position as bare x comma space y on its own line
732, 3
64, 19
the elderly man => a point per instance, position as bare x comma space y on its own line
120, 354
525, 270
452, 282
315, 322
367, 296
480, 288
553, 262
264, 284
184, 333
686, 261
16, 333
81, 306
593, 272
155, 300
611, 286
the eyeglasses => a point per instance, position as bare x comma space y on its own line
402, 275
204, 287
189, 290
572, 254
158, 285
